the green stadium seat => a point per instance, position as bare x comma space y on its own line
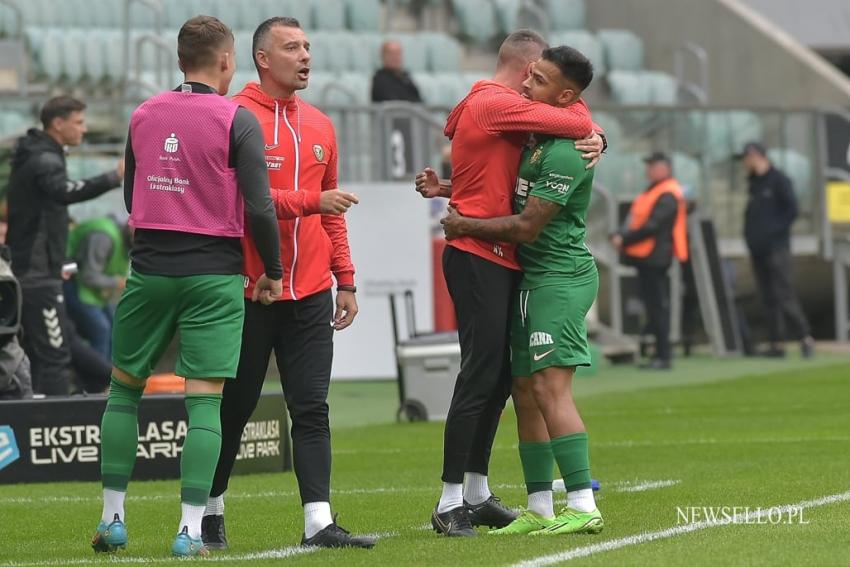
244, 55
621, 173
507, 15
94, 54
664, 87
476, 19
585, 42
629, 88
688, 172
566, 14
363, 15
623, 49
643, 88
328, 15
612, 127
429, 87
364, 52
52, 55
176, 13
444, 52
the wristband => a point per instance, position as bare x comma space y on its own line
351, 288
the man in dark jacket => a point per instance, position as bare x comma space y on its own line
654, 233
392, 82
39, 195
771, 210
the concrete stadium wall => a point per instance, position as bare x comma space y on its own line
752, 60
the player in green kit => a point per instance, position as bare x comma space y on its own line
560, 282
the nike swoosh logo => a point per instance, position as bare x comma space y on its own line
273, 146
543, 355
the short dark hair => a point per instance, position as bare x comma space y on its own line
59, 107
522, 45
263, 30
199, 41
572, 63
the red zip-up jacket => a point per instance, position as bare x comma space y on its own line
301, 155
488, 129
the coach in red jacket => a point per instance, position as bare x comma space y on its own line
301, 156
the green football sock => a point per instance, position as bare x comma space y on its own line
200, 448
573, 459
538, 465
119, 435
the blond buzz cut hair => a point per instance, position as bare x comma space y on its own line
521, 48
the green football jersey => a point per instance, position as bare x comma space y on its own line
554, 170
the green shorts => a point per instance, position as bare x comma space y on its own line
207, 310
548, 327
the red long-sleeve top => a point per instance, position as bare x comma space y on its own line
488, 129
301, 155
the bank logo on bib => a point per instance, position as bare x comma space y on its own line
8, 447
171, 144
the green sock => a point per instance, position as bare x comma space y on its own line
573, 459
119, 435
200, 448
538, 465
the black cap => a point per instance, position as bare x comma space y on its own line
656, 157
752, 147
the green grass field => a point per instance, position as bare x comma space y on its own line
713, 433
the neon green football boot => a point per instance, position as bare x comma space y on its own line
571, 521
525, 523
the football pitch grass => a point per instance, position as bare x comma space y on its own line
670, 450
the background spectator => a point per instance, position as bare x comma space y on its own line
392, 82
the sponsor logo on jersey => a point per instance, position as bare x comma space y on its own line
539, 338
522, 187
274, 162
171, 144
536, 155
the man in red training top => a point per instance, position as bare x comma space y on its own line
301, 155
488, 129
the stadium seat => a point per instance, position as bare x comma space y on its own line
612, 127
429, 87
688, 172
585, 42
244, 56
664, 88
622, 173
175, 14
623, 50
52, 59
364, 52
718, 134
796, 166
566, 14
476, 19
322, 54
363, 15
643, 88
507, 15
14, 123
444, 52
328, 15
629, 88
94, 55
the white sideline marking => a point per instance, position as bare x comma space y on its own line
646, 485
637, 539
254, 556
282, 553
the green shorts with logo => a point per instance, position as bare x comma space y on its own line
207, 310
548, 326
